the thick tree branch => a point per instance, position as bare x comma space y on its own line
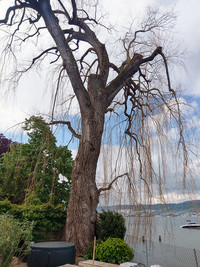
69, 61
100, 49
12, 9
68, 125
133, 66
111, 183
115, 86
114, 67
156, 52
74, 9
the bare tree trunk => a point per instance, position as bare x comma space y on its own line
84, 197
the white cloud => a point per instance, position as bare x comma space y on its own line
188, 20
121, 13
28, 99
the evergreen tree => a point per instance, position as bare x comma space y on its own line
38, 171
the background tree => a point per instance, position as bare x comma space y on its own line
5, 144
38, 171
132, 86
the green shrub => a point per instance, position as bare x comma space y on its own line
89, 250
46, 217
114, 250
112, 224
5, 206
15, 237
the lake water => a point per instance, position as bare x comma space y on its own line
169, 228
178, 246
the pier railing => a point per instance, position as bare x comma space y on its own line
149, 253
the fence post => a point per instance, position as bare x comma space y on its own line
195, 256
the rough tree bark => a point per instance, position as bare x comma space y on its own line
84, 196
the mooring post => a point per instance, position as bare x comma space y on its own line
147, 260
195, 256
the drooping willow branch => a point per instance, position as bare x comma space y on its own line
180, 123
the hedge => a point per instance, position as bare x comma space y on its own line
46, 217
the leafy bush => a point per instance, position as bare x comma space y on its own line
112, 224
89, 250
46, 217
114, 250
15, 237
5, 206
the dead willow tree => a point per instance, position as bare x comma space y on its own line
101, 84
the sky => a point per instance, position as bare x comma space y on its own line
32, 96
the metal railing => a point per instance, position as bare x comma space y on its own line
149, 253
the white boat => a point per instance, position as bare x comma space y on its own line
191, 225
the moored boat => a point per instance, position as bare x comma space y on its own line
192, 225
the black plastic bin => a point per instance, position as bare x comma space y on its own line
51, 254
